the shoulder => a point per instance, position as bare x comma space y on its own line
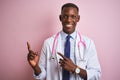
87, 40
49, 40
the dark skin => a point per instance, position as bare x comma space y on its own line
69, 18
33, 59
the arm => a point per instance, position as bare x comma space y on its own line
33, 58
92, 71
82, 73
67, 64
93, 67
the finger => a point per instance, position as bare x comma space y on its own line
36, 53
28, 46
33, 53
61, 63
31, 56
61, 55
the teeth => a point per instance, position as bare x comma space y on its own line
68, 25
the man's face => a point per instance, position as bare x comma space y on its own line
69, 18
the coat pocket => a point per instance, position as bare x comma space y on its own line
82, 63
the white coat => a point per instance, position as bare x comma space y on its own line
51, 69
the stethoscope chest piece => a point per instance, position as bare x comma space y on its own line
52, 58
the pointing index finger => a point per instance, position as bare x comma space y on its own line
61, 55
28, 46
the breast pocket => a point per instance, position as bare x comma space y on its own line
82, 63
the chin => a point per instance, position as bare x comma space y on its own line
68, 32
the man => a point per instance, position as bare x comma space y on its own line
64, 58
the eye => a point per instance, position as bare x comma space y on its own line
65, 16
73, 16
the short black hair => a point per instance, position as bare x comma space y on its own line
70, 5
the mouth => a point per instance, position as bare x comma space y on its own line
68, 28
68, 25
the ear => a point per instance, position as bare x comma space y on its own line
78, 18
60, 17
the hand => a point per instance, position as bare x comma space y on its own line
32, 57
67, 63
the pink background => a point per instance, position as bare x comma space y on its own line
35, 20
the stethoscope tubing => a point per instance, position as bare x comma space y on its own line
55, 43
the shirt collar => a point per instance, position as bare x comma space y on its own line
73, 35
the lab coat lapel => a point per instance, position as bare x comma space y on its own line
79, 51
76, 49
59, 49
81, 48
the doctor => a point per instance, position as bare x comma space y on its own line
81, 61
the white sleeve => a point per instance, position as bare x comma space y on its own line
93, 67
42, 75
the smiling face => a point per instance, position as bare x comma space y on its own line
69, 18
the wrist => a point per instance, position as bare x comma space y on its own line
73, 69
37, 70
77, 70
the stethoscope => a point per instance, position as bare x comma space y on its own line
55, 45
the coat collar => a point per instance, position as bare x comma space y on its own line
64, 35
